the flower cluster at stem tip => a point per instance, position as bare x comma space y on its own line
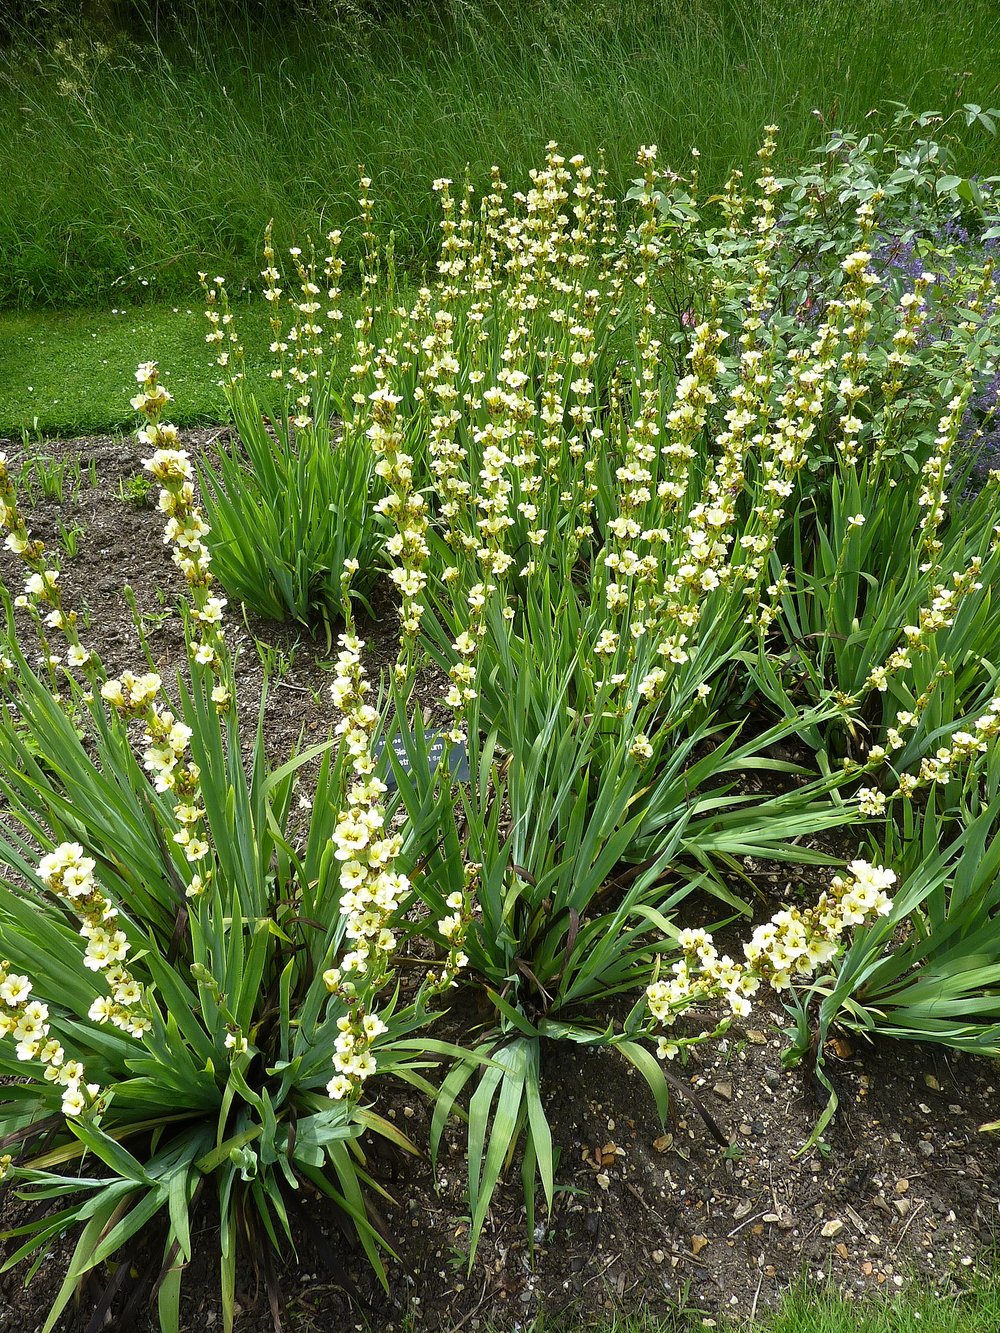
26, 1020
373, 890
789, 947
42, 596
166, 738
69, 874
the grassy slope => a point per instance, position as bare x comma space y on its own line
189, 148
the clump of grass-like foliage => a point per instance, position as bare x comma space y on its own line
678, 509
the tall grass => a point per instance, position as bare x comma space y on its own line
169, 154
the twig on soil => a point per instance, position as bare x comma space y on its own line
745, 1223
857, 1221
756, 1297
475, 1310
913, 1212
610, 1264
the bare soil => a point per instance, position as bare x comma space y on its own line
647, 1216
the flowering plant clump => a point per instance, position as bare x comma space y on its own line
609, 554
373, 891
898, 580
925, 967
672, 498
293, 498
173, 963
42, 597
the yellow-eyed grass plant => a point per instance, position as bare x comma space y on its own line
882, 591
599, 548
192, 998
607, 552
293, 497
928, 968
862, 448
592, 525
600, 543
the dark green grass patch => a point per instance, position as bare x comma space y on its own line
152, 159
